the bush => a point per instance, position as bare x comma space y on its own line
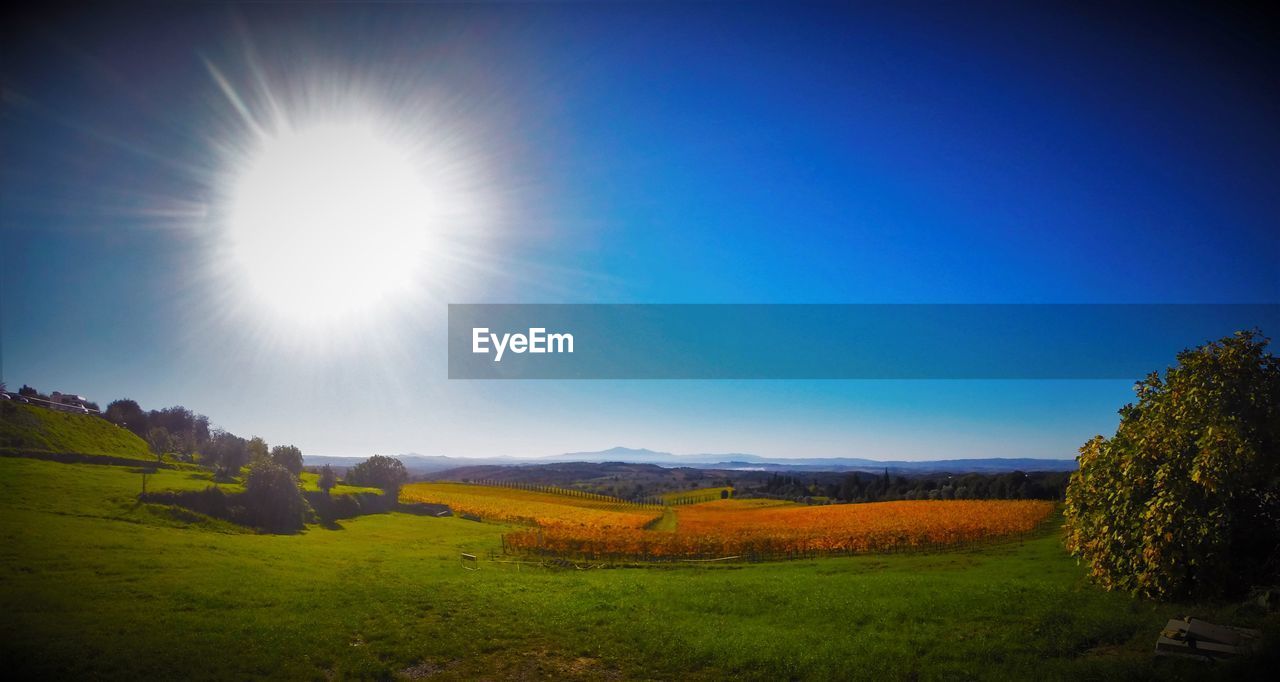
273, 499
1184, 499
330, 508
289, 457
327, 480
387, 473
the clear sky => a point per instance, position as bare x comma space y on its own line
896, 153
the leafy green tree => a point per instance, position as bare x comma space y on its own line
189, 430
328, 479
225, 453
159, 441
387, 473
273, 498
289, 457
127, 413
257, 449
1184, 499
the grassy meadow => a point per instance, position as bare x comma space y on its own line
95, 585
31, 430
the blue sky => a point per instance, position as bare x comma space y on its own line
912, 153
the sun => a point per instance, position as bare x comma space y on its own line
329, 222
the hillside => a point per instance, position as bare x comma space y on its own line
741, 461
620, 479
30, 430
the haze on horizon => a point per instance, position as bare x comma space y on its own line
612, 154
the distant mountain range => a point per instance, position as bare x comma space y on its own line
745, 461
425, 464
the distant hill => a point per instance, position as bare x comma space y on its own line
31, 430
421, 465
740, 461
415, 464
643, 455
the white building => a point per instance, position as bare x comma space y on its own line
67, 401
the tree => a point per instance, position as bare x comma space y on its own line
257, 449
1184, 499
125, 412
328, 479
158, 440
226, 453
273, 498
189, 430
289, 457
28, 391
387, 473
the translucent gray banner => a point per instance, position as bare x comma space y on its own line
944, 341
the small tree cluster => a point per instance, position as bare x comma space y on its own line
387, 473
273, 497
225, 453
176, 428
289, 457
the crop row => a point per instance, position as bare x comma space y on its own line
725, 528
530, 507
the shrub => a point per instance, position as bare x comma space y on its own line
289, 457
387, 473
328, 479
273, 499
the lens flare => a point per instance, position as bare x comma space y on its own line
329, 221
346, 204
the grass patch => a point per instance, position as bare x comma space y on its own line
311, 483
27, 429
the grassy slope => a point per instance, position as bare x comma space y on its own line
90, 582
27, 429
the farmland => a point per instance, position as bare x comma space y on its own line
98, 586
572, 524
767, 529
697, 495
544, 509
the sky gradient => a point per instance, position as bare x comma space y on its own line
913, 153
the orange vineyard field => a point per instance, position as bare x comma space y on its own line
728, 528
591, 528
547, 510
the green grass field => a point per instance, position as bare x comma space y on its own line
95, 585
27, 429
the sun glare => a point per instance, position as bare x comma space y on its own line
328, 222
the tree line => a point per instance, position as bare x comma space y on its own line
868, 487
273, 497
